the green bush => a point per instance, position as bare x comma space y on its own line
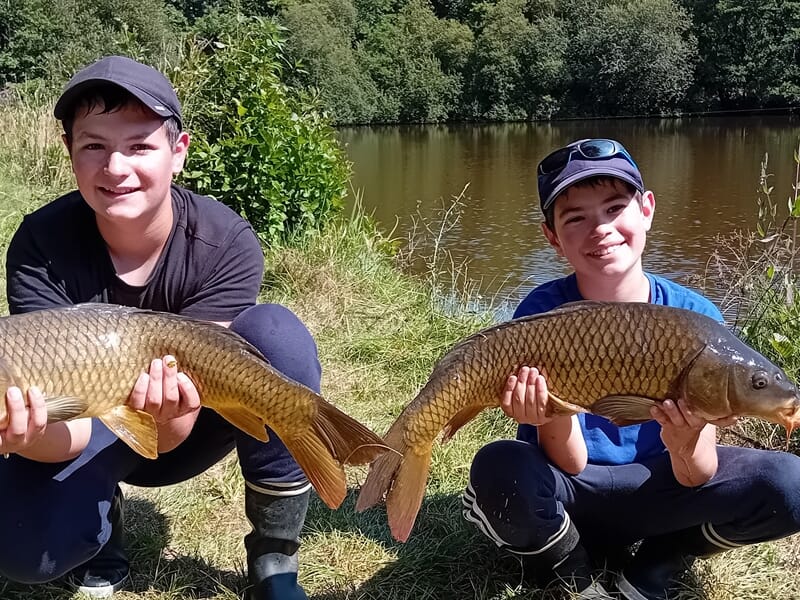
263, 149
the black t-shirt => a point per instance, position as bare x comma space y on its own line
211, 267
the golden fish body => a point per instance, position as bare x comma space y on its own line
86, 359
612, 359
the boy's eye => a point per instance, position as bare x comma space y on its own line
141, 147
93, 147
574, 219
616, 208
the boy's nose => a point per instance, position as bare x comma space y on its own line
116, 164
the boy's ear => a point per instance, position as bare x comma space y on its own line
179, 152
67, 145
552, 238
648, 208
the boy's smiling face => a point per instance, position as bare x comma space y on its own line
124, 163
601, 229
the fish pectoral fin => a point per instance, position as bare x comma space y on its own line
559, 407
625, 410
244, 420
460, 419
64, 408
134, 427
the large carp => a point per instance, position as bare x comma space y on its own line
86, 359
612, 359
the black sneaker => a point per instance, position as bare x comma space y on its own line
107, 572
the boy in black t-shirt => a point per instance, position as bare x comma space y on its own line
129, 236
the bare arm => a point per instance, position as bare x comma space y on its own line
525, 399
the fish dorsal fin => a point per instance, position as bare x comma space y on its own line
559, 407
64, 408
461, 418
244, 420
134, 427
625, 409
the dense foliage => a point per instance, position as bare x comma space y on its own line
432, 60
259, 146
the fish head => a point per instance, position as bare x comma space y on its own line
734, 379
759, 388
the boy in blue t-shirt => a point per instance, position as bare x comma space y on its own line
572, 483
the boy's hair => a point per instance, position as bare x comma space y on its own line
111, 98
593, 182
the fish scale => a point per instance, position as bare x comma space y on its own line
617, 360
86, 359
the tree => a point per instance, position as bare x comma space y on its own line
632, 57
322, 43
749, 52
400, 53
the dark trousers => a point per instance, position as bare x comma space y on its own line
522, 502
54, 516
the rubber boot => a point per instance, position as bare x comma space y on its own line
272, 546
660, 559
567, 563
107, 571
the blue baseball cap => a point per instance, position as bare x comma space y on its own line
581, 160
145, 83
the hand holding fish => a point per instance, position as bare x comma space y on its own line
26, 420
524, 397
690, 440
172, 399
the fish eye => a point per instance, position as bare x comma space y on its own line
760, 380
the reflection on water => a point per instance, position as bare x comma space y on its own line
704, 173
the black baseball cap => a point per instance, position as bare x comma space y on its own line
581, 160
145, 83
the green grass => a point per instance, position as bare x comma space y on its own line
379, 333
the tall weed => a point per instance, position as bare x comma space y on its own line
761, 297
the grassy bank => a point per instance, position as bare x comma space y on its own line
379, 333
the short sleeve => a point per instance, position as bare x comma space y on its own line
232, 280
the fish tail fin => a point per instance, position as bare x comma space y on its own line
324, 472
383, 469
350, 442
405, 498
399, 475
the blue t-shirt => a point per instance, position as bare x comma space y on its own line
606, 443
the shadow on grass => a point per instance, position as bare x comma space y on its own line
444, 557
154, 568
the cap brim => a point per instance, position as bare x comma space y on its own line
71, 95
586, 174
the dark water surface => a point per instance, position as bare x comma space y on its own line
704, 173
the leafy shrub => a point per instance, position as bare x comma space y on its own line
263, 149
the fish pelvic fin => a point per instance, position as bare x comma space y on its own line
625, 409
134, 427
248, 422
559, 407
350, 442
460, 419
405, 497
64, 408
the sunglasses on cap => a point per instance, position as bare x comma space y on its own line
588, 149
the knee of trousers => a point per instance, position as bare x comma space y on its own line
283, 339
511, 496
35, 555
774, 477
